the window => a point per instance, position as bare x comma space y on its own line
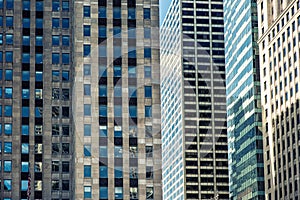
87, 171
102, 31
65, 58
65, 6
65, 40
118, 151
117, 31
55, 76
149, 172
26, 5
55, 184
102, 12
25, 130
87, 150
102, 110
55, 40
24, 166
148, 111
55, 23
118, 192
103, 171
25, 148
38, 58
39, 5
149, 151
149, 193
7, 184
87, 192
7, 111
86, 30
55, 58
8, 93
86, 50
147, 52
147, 33
87, 69
132, 91
65, 94
117, 111
55, 166
133, 111
65, 76
9, 38
8, 75
38, 76
55, 148
7, 147
147, 13
9, 56
38, 23
25, 111
65, 130
7, 166
26, 40
131, 52
103, 193
65, 112
9, 21
117, 71
65, 167
131, 71
87, 109
55, 5
117, 12
102, 51
87, 129
8, 129
117, 51
86, 11
131, 13
118, 131
103, 131
65, 23
148, 92
102, 90
9, 4
133, 172
131, 32
65, 185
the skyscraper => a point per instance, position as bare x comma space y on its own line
80, 101
246, 171
194, 137
279, 23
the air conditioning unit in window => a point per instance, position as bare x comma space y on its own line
38, 130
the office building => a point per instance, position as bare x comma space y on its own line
244, 123
279, 25
80, 100
194, 136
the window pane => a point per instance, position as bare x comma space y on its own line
117, 13
118, 172
147, 71
87, 171
65, 40
25, 148
65, 6
7, 185
103, 193
66, 58
102, 12
7, 147
87, 129
86, 11
118, 152
148, 111
131, 13
65, 23
147, 14
87, 192
132, 71
86, 50
103, 151
87, 109
118, 192
148, 92
87, 150
55, 40
86, 30
7, 166
25, 167
55, 22
133, 111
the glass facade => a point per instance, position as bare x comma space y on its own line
244, 122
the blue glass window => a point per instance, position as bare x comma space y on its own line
102, 31
118, 172
87, 150
118, 192
65, 23
103, 111
118, 91
9, 38
8, 129
133, 111
102, 71
25, 111
131, 52
9, 4
39, 41
55, 58
0, 110
147, 32
55, 75
38, 23
148, 111
132, 91
25, 130
25, 148
26, 40
147, 13
8, 93
117, 12
8, 75
65, 76
117, 31
86, 50
38, 76
24, 185
131, 13
103, 193
103, 151
102, 51
7, 165
55, 22
1, 56
147, 72
25, 58
118, 111
87, 192
7, 111
55, 40
7, 147
117, 71
103, 171
25, 94
1, 4
66, 58
87, 69
118, 131
86, 30
102, 91
1, 74
25, 75
131, 33
87, 129
9, 56
65, 40
87, 109
117, 51
7, 184
39, 5
103, 131
87, 171
38, 112
86, 11
38, 58
9, 21
131, 71
147, 52
1, 21
102, 12
26, 5
87, 89
148, 92
118, 151
25, 166
65, 6
26, 23
55, 5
